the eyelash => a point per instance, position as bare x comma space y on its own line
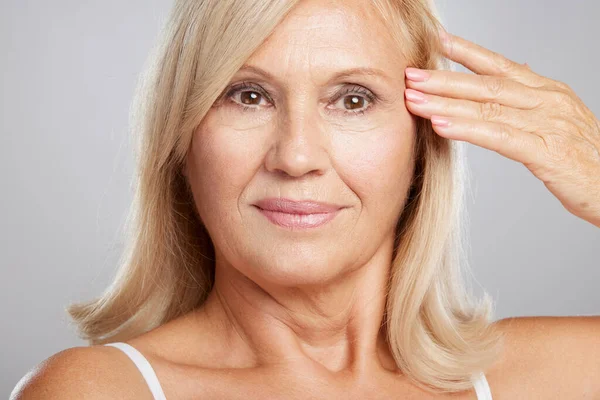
248, 86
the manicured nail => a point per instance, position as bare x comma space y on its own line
439, 121
415, 96
417, 75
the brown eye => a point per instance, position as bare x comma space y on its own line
354, 102
250, 97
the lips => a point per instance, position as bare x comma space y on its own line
296, 207
297, 214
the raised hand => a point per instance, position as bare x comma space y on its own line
508, 108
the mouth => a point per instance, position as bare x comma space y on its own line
297, 214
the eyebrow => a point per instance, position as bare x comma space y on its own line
347, 73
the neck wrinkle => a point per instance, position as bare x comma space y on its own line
336, 327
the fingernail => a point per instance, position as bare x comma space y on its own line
439, 121
416, 75
415, 96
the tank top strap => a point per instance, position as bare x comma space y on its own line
482, 388
480, 384
143, 366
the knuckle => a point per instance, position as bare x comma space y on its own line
561, 85
493, 85
538, 99
490, 111
504, 64
562, 99
447, 108
505, 133
448, 80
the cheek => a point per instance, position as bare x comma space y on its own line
222, 165
379, 165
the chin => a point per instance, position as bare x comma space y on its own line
287, 270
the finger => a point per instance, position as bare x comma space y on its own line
481, 88
483, 61
501, 138
426, 105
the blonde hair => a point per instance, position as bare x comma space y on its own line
438, 334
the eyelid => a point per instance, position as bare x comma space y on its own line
347, 87
356, 89
238, 87
362, 91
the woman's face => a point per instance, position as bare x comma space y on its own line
292, 126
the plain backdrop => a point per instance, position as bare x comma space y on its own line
67, 73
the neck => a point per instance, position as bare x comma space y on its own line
337, 325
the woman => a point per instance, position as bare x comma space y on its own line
297, 220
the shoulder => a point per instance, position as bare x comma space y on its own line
550, 356
557, 336
95, 372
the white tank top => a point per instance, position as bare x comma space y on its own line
480, 384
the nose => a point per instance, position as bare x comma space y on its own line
300, 146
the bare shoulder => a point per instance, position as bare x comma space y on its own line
95, 372
549, 357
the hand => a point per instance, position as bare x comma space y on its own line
508, 108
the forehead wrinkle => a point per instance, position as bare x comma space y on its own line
309, 37
309, 49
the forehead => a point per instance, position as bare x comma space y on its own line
325, 36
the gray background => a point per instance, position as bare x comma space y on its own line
68, 71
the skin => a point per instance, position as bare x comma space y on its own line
295, 314
508, 108
322, 299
